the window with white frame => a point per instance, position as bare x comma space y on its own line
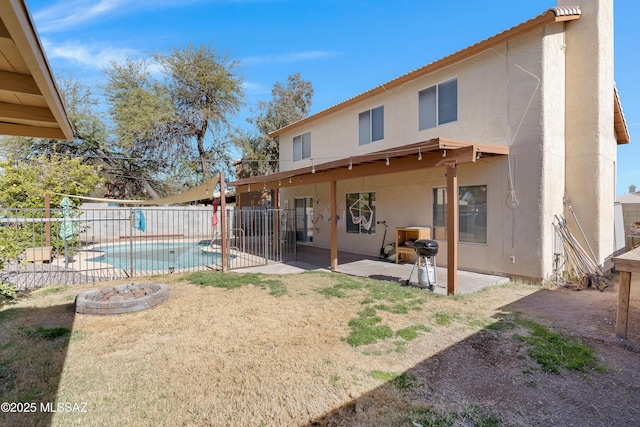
361, 218
472, 212
371, 125
302, 146
438, 105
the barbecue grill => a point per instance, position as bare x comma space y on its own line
426, 251
426, 248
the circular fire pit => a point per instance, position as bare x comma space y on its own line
122, 298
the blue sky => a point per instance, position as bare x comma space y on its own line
344, 47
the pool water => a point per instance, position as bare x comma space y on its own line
157, 256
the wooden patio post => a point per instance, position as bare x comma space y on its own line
223, 223
452, 229
334, 227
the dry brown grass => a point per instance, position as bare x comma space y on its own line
211, 356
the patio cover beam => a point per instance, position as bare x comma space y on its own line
435, 152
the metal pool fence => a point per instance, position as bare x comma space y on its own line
86, 245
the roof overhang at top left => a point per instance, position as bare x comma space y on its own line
30, 103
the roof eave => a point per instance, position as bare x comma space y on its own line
619, 122
19, 23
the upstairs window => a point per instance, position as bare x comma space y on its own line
302, 146
438, 105
371, 125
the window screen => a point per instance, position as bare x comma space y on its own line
438, 105
448, 102
371, 125
302, 146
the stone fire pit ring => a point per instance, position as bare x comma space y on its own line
121, 299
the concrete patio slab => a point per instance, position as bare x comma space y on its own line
310, 258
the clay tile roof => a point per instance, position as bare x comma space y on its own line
566, 10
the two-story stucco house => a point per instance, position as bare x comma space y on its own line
483, 147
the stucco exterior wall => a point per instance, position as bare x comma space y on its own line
590, 138
553, 78
481, 114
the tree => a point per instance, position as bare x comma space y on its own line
168, 131
139, 109
206, 92
161, 121
23, 185
290, 103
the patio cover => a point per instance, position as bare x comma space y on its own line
427, 154
30, 104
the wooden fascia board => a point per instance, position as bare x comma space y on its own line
10, 112
467, 154
403, 164
12, 129
619, 122
20, 27
545, 19
457, 151
457, 156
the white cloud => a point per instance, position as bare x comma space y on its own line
255, 88
287, 57
67, 14
87, 55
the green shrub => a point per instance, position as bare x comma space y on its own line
8, 291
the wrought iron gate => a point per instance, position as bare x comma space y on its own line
259, 236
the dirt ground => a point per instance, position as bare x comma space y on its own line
488, 372
219, 357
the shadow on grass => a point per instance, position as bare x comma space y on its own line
33, 349
387, 278
491, 378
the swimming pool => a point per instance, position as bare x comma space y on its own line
154, 256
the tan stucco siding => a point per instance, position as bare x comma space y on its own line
591, 147
553, 135
405, 199
486, 114
481, 114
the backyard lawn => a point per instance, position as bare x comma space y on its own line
318, 349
